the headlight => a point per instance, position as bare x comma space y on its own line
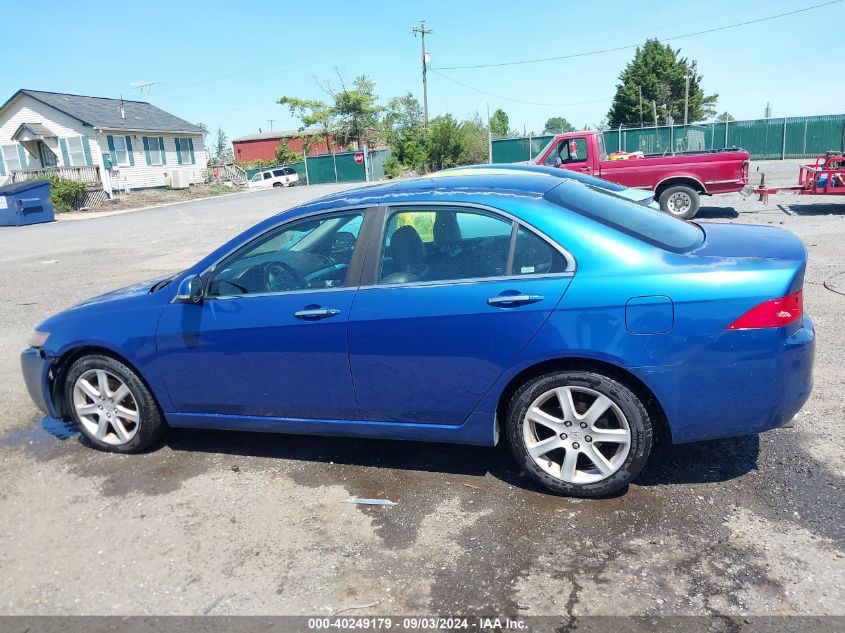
38, 339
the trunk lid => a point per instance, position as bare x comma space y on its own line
749, 240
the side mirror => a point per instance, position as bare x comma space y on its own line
190, 290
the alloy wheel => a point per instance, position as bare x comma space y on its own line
106, 406
576, 434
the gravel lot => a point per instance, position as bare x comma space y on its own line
235, 523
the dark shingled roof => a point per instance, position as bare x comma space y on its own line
104, 113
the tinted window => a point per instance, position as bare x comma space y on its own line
267, 175
534, 256
309, 253
289, 171
444, 244
634, 219
278, 172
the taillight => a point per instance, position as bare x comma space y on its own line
772, 313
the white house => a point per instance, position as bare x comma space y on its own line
49, 132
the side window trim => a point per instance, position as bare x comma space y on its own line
353, 274
371, 264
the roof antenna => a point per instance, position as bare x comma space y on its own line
143, 86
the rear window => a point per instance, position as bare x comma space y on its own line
642, 222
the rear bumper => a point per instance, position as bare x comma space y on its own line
36, 374
747, 382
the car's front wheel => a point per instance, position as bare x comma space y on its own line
579, 433
111, 405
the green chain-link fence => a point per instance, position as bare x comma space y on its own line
792, 137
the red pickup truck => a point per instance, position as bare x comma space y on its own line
678, 180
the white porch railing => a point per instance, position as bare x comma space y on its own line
89, 174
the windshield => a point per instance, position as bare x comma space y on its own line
536, 159
617, 212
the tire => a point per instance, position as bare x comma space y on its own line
680, 201
277, 184
564, 462
133, 422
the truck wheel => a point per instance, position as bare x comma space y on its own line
680, 201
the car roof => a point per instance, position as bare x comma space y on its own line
454, 185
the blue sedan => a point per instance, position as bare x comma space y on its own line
577, 323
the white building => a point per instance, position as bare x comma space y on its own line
49, 132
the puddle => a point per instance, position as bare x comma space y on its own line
39, 437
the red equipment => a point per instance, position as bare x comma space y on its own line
826, 177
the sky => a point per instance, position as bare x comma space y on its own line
226, 63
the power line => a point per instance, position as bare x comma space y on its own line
491, 94
629, 46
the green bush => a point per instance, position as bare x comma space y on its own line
392, 167
65, 194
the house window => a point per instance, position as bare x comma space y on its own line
11, 157
121, 155
156, 150
76, 151
48, 158
184, 151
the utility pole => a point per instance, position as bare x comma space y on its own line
271, 123
423, 32
489, 138
689, 74
640, 89
654, 111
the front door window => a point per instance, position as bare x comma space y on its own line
313, 253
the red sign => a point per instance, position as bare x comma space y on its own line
359, 158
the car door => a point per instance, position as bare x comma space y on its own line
270, 337
450, 298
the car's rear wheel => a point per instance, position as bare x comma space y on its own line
681, 201
111, 405
579, 433
277, 184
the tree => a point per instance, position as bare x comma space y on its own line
205, 133
404, 131
312, 113
352, 114
725, 116
500, 124
660, 73
285, 155
558, 125
444, 145
221, 146
473, 139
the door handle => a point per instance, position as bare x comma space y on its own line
586, 169
507, 301
314, 314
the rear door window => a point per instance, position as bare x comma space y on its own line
535, 256
443, 244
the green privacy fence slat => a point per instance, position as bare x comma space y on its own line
515, 150
793, 137
321, 169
